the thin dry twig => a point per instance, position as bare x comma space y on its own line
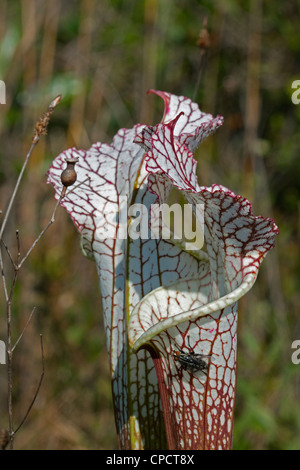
68, 178
40, 129
37, 389
8, 253
13, 196
51, 221
24, 329
18, 247
203, 43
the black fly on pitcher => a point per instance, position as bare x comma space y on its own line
190, 360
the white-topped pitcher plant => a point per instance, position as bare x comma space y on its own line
170, 299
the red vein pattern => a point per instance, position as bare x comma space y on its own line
158, 293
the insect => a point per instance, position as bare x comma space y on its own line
190, 360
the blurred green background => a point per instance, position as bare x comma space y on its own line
103, 56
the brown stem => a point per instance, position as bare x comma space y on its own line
40, 129
9, 361
37, 389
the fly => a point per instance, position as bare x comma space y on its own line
190, 360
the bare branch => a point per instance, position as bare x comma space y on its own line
18, 246
8, 252
37, 389
7, 213
40, 235
40, 129
24, 329
51, 221
3, 277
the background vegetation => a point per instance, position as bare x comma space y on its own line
102, 56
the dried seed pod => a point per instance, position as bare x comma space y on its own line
203, 41
54, 102
42, 124
69, 175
